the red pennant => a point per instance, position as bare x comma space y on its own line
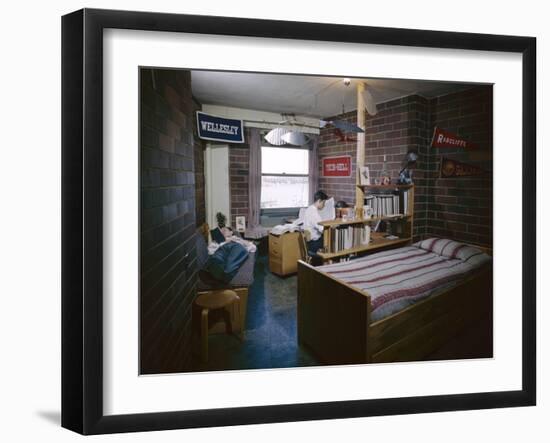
446, 139
337, 166
453, 168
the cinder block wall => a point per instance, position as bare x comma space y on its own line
462, 208
168, 222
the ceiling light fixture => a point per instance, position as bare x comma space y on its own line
275, 136
295, 138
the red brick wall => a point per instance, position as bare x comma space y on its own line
397, 128
456, 208
238, 182
341, 188
462, 208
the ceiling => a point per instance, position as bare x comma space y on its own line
301, 94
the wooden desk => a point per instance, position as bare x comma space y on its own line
284, 253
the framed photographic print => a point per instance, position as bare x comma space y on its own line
303, 317
240, 223
364, 175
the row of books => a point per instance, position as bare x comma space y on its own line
386, 205
349, 236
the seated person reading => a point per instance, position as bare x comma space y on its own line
312, 217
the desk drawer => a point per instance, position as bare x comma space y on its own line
276, 252
275, 265
275, 242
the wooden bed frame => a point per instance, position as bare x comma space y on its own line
334, 319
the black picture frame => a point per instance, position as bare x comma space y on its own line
82, 239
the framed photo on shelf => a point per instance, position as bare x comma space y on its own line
139, 184
364, 175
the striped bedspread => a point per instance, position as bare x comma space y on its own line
400, 277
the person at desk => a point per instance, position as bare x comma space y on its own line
312, 217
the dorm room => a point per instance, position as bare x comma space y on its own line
395, 264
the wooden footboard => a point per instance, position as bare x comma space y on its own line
334, 320
332, 317
419, 330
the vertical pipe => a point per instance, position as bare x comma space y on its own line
359, 194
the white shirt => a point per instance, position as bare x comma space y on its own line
311, 222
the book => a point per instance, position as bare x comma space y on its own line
384, 205
350, 236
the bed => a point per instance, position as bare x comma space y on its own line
240, 283
396, 305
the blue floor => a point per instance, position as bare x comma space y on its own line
270, 338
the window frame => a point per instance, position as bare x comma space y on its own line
284, 211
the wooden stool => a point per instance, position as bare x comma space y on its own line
215, 300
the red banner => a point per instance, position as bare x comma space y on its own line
446, 139
337, 166
452, 168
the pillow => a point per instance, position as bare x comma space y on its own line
449, 248
466, 252
477, 259
435, 245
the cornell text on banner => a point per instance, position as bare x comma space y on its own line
339, 166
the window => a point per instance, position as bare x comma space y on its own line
285, 178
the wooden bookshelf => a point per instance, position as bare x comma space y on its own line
402, 222
360, 221
385, 186
377, 242
340, 222
388, 189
